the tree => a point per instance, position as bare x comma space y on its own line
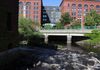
97, 19
92, 18
89, 20
66, 19
59, 25
76, 24
25, 27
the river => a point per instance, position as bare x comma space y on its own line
70, 57
67, 57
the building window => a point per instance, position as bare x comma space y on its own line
79, 14
28, 5
20, 8
79, 6
86, 6
35, 12
44, 19
68, 5
44, 16
36, 17
73, 13
35, 8
73, 6
92, 6
79, 9
27, 12
20, 5
97, 8
35, 3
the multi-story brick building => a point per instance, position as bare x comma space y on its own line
78, 8
50, 14
30, 9
8, 24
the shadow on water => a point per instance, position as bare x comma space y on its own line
69, 46
62, 40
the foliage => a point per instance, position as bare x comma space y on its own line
89, 21
97, 19
94, 34
75, 24
36, 25
26, 28
48, 26
59, 25
94, 37
66, 19
96, 16
92, 18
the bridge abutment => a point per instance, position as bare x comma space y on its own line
69, 38
46, 39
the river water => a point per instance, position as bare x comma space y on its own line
70, 57
74, 47
67, 57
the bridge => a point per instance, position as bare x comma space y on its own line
64, 32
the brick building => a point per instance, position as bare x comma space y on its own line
8, 24
78, 8
30, 9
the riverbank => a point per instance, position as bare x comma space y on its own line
90, 47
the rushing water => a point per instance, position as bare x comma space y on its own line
70, 58
67, 58
74, 47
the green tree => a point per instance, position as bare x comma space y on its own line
25, 27
89, 20
76, 24
92, 18
97, 19
59, 25
66, 19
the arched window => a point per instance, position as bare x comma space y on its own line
28, 9
80, 6
20, 7
28, 5
92, 6
86, 6
73, 6
79, 9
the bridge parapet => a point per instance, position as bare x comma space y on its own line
63, 32
66, 31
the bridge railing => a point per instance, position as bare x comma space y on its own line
74, 28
